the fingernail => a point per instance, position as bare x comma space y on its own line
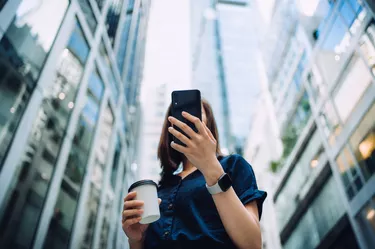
170, 128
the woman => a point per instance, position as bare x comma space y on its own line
190, 215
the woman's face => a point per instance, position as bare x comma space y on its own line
204, 117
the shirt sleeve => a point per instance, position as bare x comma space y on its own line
244, 182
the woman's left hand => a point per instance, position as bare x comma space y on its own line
200, 148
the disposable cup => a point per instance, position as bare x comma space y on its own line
147, 191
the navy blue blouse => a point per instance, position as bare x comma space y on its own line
188, 212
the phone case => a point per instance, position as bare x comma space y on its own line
188, 101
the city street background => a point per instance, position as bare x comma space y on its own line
85, 85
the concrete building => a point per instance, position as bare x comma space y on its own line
69, 79
321, 85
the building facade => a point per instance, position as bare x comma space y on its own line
320, 74
70, 74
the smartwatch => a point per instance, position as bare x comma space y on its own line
222, 185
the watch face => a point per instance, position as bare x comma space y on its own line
225, 182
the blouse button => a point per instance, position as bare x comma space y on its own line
170, 206
166, 234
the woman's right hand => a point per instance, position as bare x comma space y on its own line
131, 216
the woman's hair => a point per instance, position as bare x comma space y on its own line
170, 158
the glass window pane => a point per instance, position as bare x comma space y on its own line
106, 62
78, 44
35, 171
113, 17
23, 51
363, 143
330, 122
60, 229
354, 82
124, 42
367, 46
97, 177
366, 220
334, 46
89, 14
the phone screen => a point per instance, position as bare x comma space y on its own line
188, 101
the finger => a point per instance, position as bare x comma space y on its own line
179, 148
209, 132
159, 200
131, 212
182, 126
129, 222
180, 136
133, 204
130, 196
196, 121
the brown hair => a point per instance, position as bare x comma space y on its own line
170, 158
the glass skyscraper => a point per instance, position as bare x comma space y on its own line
69, 78
321, 83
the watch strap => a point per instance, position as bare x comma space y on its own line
215, 189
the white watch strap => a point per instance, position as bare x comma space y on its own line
214, 189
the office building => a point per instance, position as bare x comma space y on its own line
320, 77
240, 27
70, 73
208, 73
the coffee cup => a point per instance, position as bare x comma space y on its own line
147, 191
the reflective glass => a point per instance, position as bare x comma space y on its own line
335, 45
367, 46
97, 177
62, 222
366, 220
330, 122
106, 62
323, 213
317, 85
78, 44
363, 143
115, 164
34, 173
348, 169
89, 14
23, 51
303, 173
354, 82
124, 42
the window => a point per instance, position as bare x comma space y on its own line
76, 166
354, 82
124, 42
106, 62
363, 143
302, 174
23, 50
330, 122
323, 213
37, 165
335, 45
113, 17
89, 14
366, 220
367, 46
317, 85
348, 169
115, 164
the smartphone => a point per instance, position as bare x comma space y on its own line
188, 101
